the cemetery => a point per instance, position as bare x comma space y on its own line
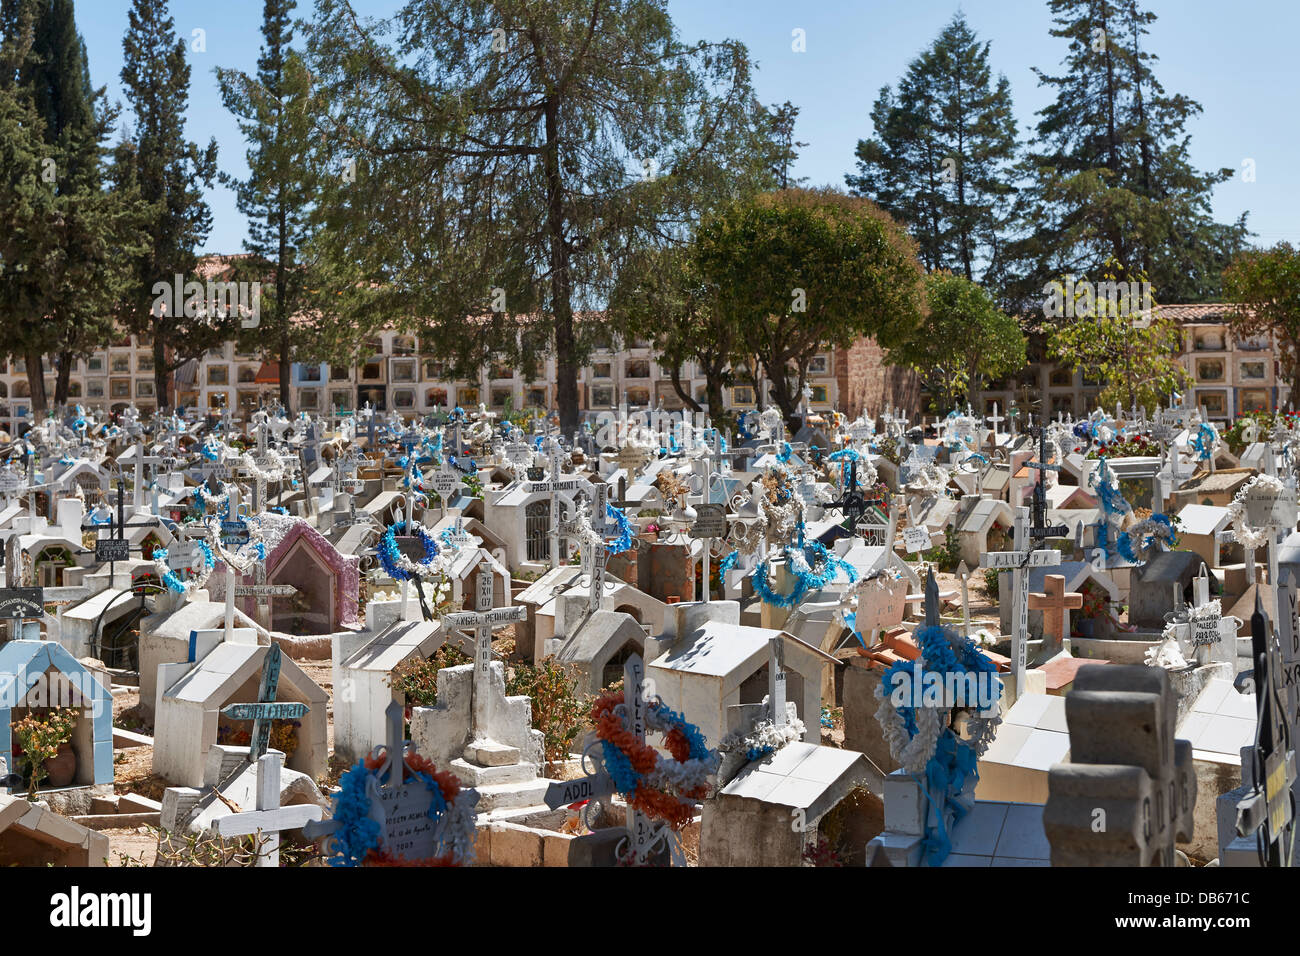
914, 683
501, 507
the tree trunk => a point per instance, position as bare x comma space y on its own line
566, 365
62, 378
160, 372
36, 382
286, 398
685, 396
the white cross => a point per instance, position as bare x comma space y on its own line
269, 819
1019, 561
483, 621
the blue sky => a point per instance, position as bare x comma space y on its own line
1237, 59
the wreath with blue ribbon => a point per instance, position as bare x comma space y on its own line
819, 568
390, 556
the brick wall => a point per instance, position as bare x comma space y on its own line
866, 383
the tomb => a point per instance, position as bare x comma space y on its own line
36, 676
33, 835
1151, 595
597, 651
1125, 764
705, 661
192, 694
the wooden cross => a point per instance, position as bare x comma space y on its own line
267, 708
1055, 603
270, 819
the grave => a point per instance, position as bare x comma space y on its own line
1126, 765
36, 675
705, 662
193, 693
1151, 595
34, 835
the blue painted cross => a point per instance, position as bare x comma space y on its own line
267, 708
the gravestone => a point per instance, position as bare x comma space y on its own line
1129, 790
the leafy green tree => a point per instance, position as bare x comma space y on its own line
274, 112
500, 159
171, 174
1264, 285
940, 159
963, 340
801, 270
1124, 343
1111, 177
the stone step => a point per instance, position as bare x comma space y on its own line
475, 776
499, 796
489, 753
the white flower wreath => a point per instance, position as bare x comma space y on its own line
1249, 537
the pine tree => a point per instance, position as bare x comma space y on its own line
942, 151
274, 115
171, 173
94, 228
1111, 178
73, 261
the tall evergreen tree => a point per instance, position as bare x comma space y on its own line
274, 115
95, 229
1111, 178
941, 155
171, 173
74, 264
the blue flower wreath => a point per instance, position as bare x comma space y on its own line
806, 582
390, 556
1165, 532
1203, 441
844, 456
171, 579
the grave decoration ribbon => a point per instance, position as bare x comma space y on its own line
1135, 542
172, 581
783, 456
917, 717
661, 788
764, 738
1112, 502
1205, 441
810, 575
397, 565
356, 842
1247, 536
624, 539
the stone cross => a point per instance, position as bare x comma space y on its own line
483, 622
1055, 603
269, 819
1018, 562
1129, 789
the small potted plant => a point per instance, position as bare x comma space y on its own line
46, 748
